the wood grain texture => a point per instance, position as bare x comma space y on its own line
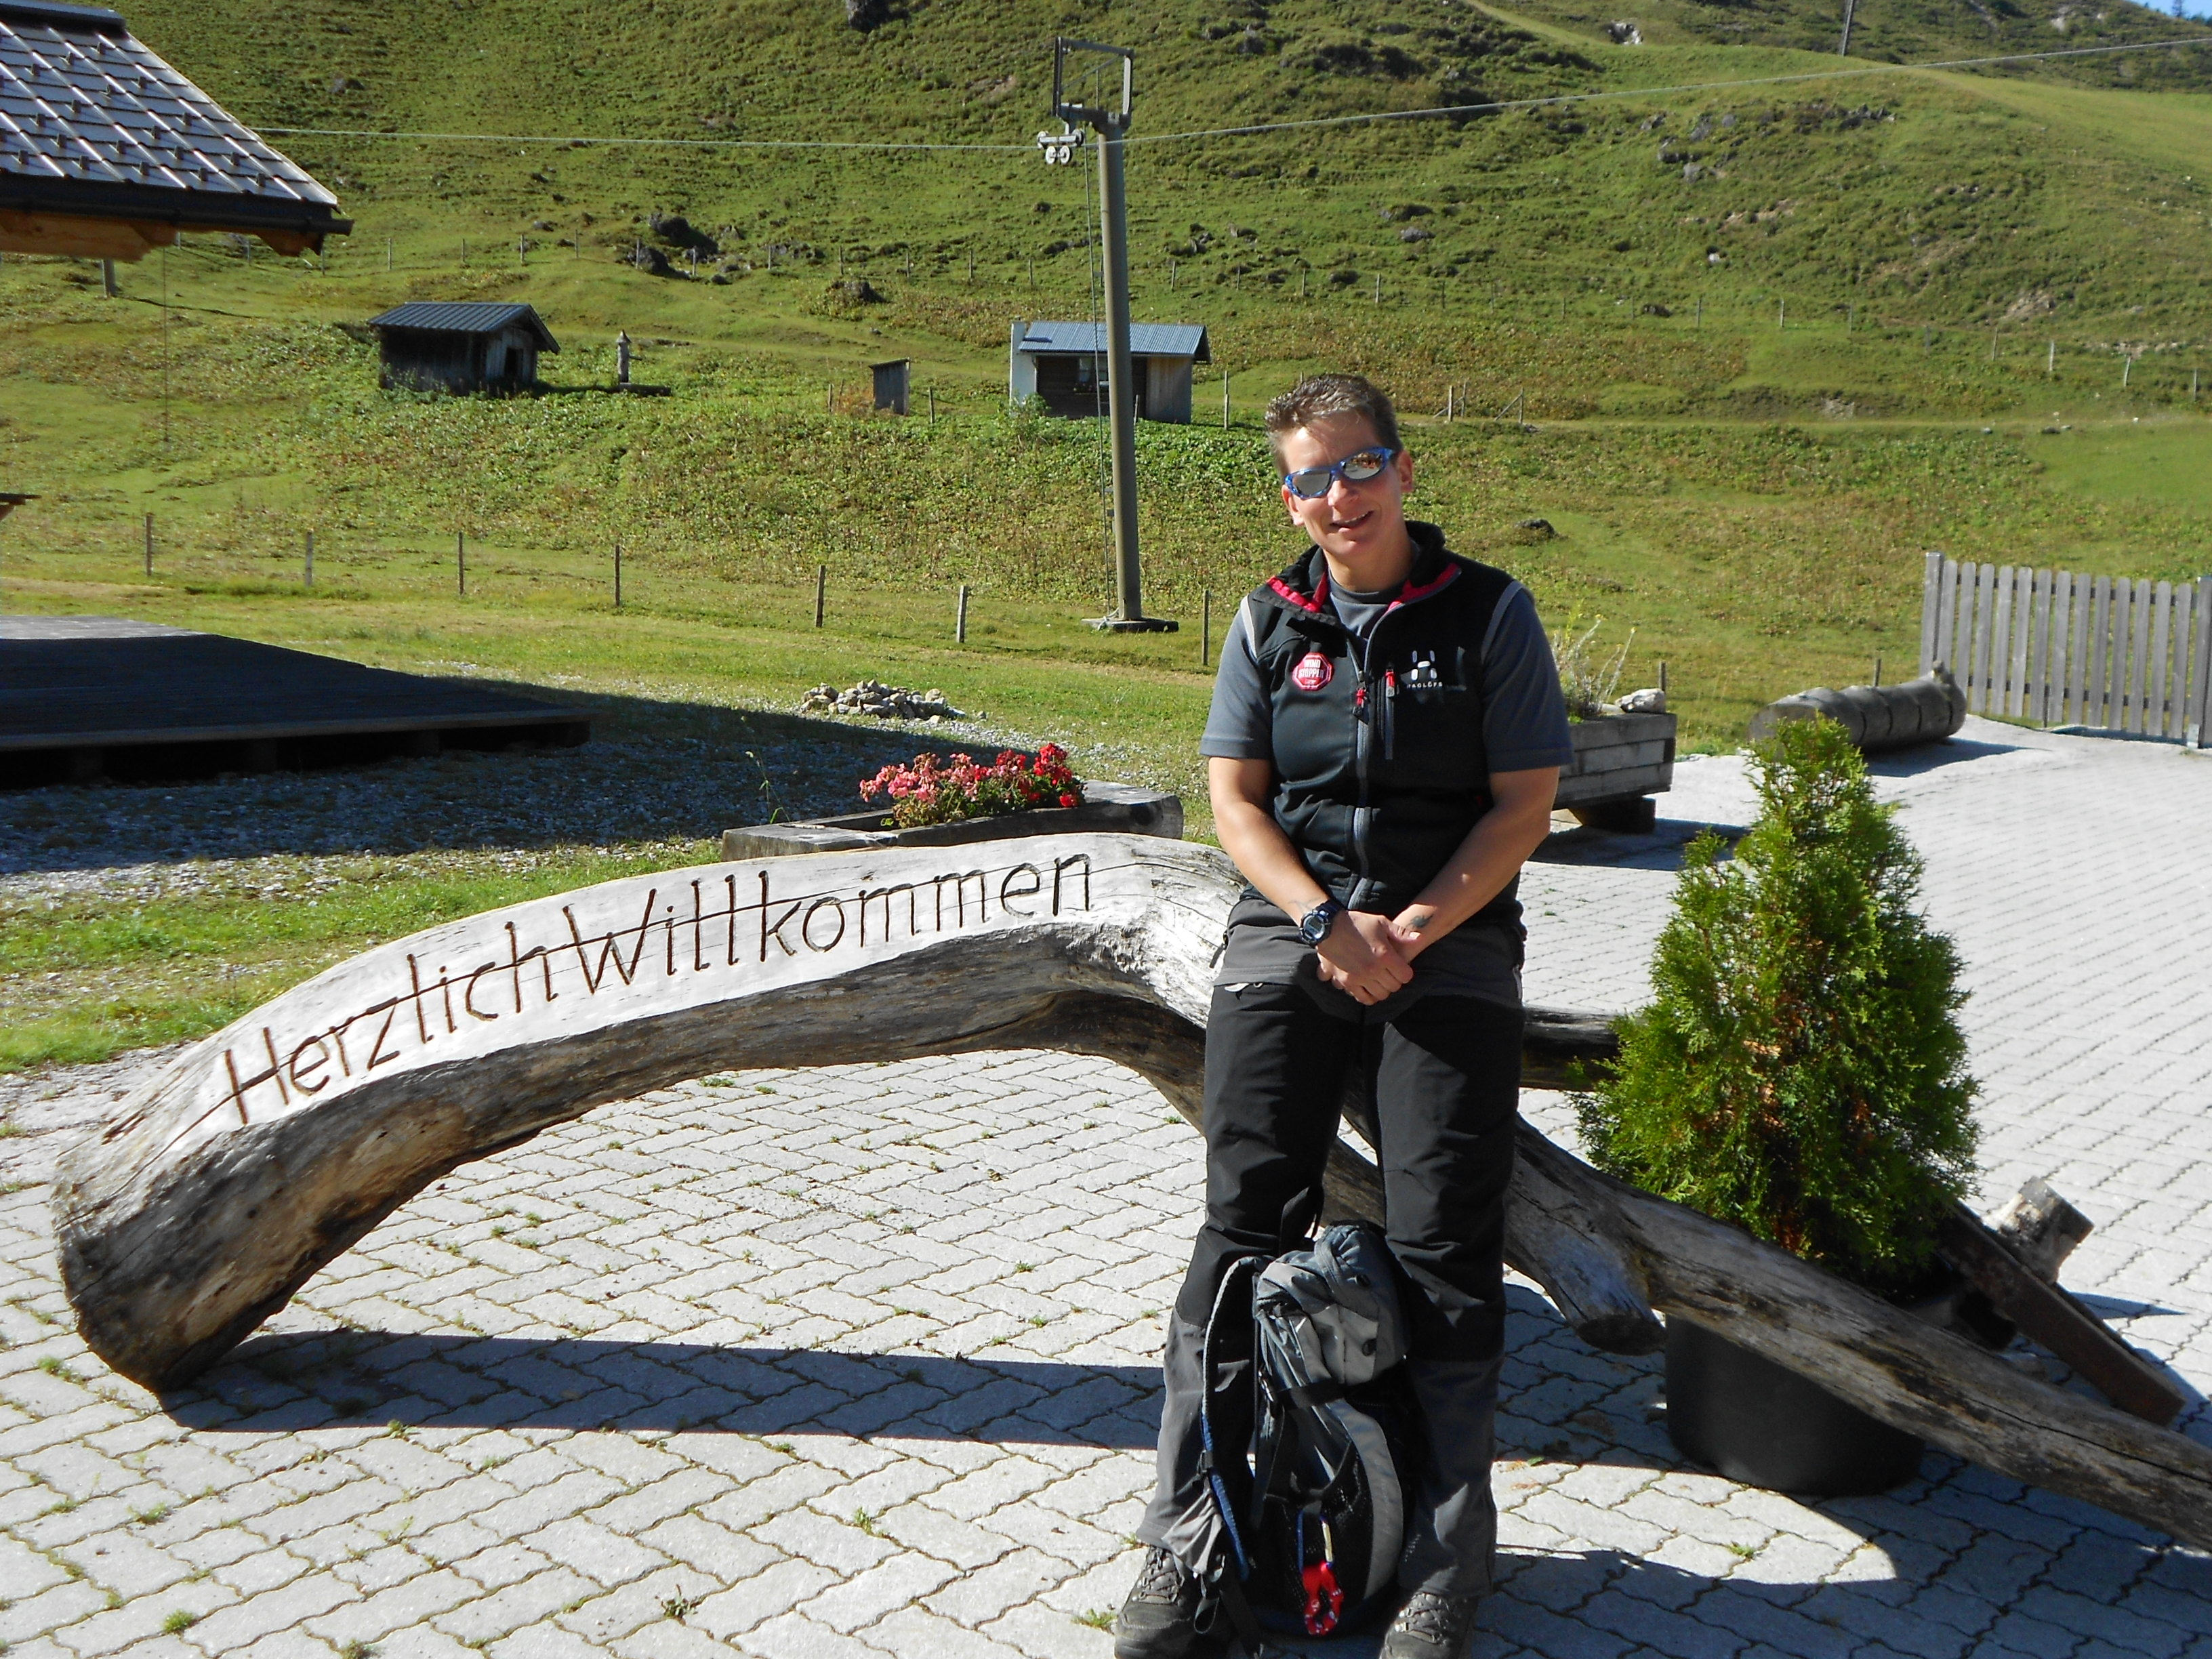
270, 1148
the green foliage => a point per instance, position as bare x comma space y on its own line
1800, 1072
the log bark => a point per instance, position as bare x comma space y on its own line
270, 1148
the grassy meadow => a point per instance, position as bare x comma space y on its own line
1768, 341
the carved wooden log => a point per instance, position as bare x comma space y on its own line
268, 1149
271, 1147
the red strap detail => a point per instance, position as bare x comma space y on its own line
1289, 593
1324, 1598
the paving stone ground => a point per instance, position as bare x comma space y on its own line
863, 1361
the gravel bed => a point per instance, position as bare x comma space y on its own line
283, 834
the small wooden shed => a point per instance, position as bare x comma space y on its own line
1063, 365
451, 346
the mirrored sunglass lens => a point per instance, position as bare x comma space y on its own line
1363, 466
1310, 482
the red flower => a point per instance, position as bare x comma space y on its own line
1067, 800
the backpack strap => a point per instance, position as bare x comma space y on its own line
1225, 1412
1223, 1593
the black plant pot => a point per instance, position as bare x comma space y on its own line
1757, 1422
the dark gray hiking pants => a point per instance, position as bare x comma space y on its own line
1445, 1075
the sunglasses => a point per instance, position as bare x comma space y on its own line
1310, 484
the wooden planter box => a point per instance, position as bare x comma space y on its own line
1115, 808
1620, 761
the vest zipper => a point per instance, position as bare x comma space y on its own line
1389, 713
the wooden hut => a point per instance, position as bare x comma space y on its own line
430, 345
106, 152
1063, 366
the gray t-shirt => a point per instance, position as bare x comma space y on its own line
1524, 726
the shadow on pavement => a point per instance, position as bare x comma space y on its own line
372, 1379
1659, 849
1934, 756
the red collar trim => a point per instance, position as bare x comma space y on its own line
1408, 593
1312, 606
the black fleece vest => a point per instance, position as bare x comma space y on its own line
1380, 765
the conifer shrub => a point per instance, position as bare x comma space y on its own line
1801, 1071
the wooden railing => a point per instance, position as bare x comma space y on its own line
2060, 649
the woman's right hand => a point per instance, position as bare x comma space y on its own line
1362, 956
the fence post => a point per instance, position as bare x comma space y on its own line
461, 560
618, 574
1205, 628
1931, 607
2000, 657
960, 618
149, 544
821, 591
2200, 689
310, 580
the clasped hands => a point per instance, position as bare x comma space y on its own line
1369, 956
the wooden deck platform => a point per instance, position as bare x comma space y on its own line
82, 697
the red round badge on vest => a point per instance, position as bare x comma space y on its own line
1313, 671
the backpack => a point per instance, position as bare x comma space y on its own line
1311, 1439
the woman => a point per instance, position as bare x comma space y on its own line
1384, 743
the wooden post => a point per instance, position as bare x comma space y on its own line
309, 579
821, 591
388, 255
1662, 677
2051, 361
2127, 368
461, 560
149, 544
1171, 277
464, 250
1224, 400
960, 618
618, 574
1205, 629
1781, 314
1877, 669
1378, 287
107, 284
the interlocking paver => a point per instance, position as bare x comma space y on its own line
609, 1396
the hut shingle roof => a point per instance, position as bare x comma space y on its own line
93, 122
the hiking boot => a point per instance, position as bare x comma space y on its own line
1431, 1627
1160, 1619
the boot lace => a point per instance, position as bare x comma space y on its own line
1161, 1578
1445, 1621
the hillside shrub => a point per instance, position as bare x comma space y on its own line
1801, 1071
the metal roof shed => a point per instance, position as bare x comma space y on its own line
1064, 365
105, 151
461, 345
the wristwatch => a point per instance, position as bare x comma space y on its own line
1314, 926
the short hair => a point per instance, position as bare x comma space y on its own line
1319, 397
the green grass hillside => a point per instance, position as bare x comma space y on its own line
2011, 200
1774, 333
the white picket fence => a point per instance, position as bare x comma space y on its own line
2060, 649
